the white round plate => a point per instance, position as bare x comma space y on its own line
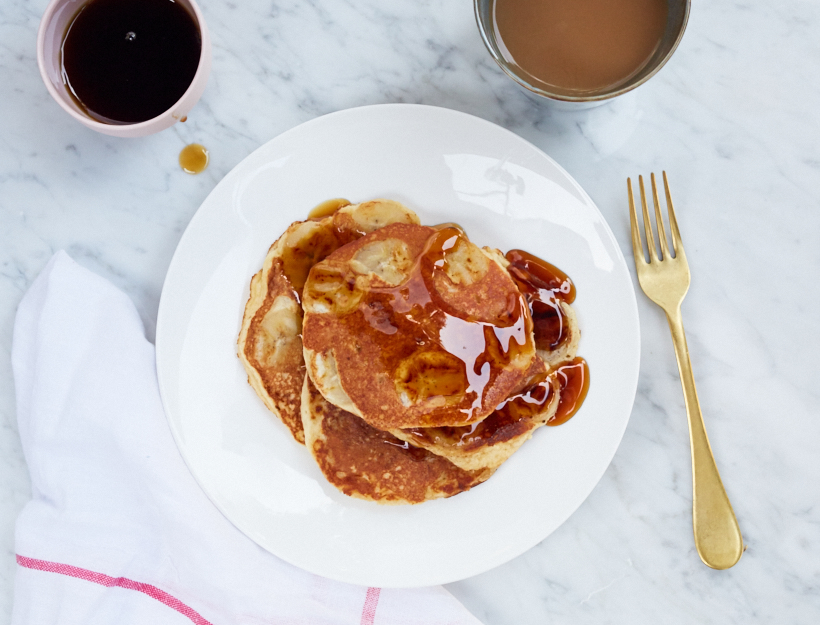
447, 166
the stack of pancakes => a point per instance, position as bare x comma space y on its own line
403, 356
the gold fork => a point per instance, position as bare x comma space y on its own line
665, 280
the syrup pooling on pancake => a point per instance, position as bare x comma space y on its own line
459, 322
553, 392
573, 378
513, 417
549, 293
548, 399
488, 443
424, 327
308, 243
327, 208
545, 286
469, 344
332, 224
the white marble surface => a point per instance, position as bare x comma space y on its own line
734, 118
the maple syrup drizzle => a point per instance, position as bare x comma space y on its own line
573, 378
194, 158
544, 286
460, 351
327, 208
529, 402
513, 416
479, 346
297, 260
510, 419
428, 347
450, 224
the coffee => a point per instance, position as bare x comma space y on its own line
128, 61
579, 47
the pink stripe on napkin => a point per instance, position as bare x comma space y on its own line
371, 600
112, 493
123, 582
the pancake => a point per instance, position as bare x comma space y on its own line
366, 463
412, 326
270, 343
492, 441
410, 362
489, 443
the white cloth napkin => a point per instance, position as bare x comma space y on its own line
117, 530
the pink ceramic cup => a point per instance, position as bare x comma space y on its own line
56, 19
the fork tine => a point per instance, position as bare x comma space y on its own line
637, 246
647, 224
659, 219
677, 244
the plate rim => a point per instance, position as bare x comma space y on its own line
228, 178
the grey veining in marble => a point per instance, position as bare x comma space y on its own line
735, 120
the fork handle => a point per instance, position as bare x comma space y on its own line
717, 534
